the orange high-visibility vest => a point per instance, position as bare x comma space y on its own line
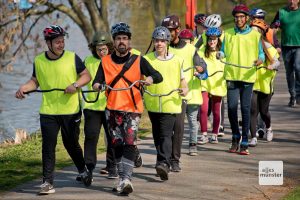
270, 36
123, 100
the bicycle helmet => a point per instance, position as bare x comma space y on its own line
162, 33
101, 38
260, 23
213, 20
120, 28
53, 31
213, 31
171, 21
241, 8
200, 19
258, 13
186, 34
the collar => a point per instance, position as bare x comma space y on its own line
244, 31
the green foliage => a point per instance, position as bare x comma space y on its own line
295, 194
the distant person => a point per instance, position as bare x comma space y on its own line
187, 36
288, 20
58, 68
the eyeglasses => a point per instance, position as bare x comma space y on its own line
239, 16
104, 50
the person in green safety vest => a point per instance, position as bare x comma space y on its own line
163, 117
58, 68
241, 46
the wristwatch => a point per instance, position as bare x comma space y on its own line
75, 85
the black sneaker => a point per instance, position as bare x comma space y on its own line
138, 162
234, 145
46, 188
87, 177
162, 170
78, 178
261, 133
175, 167
292, 102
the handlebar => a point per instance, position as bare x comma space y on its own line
257, 67
121, 89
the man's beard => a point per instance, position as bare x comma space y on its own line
122, 49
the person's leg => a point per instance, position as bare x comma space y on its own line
49, 128
297, 74
192, 112
254, 113
246, 94
222, 128
177, 137
92, 126
265, 114
203, 112
233, 93
216, 110
289, 60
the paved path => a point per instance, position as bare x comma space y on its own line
213, 174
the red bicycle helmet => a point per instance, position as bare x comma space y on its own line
53, 31
186, 34
241, 8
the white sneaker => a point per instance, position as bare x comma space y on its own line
269, 134
126, 187
46, 188
253, 142
203, 139
213, 139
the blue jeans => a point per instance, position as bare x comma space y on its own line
242, 90
192, 113
291, 58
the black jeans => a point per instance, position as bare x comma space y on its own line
50, 126
178, 133
162, 130
93, 120
239, 90
260, 104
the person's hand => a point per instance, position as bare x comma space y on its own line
183, 91
20, 93
258, 62
97, 87
199, 69
278, 50
220, 55
71, 89
270, 67
148, 80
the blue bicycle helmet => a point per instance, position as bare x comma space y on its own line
120, 28
213, 31
258, 13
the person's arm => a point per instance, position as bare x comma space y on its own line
84, 76
183, 87
275, 64
30, 85
199, 63
152, 75
276, 21
261, 54
99, 78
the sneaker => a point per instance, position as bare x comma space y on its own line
87, 177
292, 102
253, 142
104, 170
78, 178
260, 132
221, 131
234, 145
46, 188
203, 139
126, 187
213, 139
163, 171
175, 167
244, 150
138, 160
112, 174
193, 150
269, 134
117, 187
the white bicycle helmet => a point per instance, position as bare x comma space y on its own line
213, 21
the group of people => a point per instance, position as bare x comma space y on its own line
206, 66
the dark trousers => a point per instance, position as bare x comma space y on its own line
162, 130
50, 126
237, 90
260, 104
93, 120
178, 133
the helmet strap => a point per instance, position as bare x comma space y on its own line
51, 49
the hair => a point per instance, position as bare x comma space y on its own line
263, 40
109, 45
208, 51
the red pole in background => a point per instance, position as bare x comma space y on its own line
191, 9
